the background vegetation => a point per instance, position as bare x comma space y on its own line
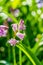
31, 11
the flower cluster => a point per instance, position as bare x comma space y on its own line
13, 41
17, 28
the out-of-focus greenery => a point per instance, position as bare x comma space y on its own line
33, 18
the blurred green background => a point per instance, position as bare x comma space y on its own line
31, 11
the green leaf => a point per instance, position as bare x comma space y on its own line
29, 54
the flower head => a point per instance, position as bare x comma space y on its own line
13, 41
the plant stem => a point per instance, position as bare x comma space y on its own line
9, 57
34, 49
14, 57
20, 57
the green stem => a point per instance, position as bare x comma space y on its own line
34, 49
29, 54
14, 57
20, 57
9, 57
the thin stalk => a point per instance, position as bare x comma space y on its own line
34, 49
14, 57
20, 57
9, 57
9, 50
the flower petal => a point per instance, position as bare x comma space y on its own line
3, 27
21, 21
14, 27
21, 25
20, 35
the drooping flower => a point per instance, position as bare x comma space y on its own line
21, 25
13, 41
20, 35
3, 30
14, 27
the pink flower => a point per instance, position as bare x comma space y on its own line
14, 27
3, 27
21, 25
3, 30
13, 41
20, 35
18, 27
